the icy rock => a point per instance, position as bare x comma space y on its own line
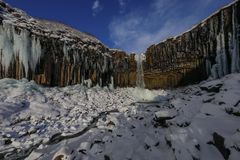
211, 87
84, 146
16, 144
218, 142
165, 114
162, 116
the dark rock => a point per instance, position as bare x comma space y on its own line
146, 147
168, 142
231, 111
83, 151
198, 147
238, 103
184, 124
214, 88
157, 144
207, 114
221, 103
106, 157
111, 123
7, 141
218, 142
208, 100
59, 157
161, 117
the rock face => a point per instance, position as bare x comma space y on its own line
50, 53
209, 49
55, 54
125, 69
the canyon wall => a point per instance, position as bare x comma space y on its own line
55, 54
209, 49
50, 53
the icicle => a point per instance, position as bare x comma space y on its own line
235, 66
111, 85
22, 47
214, 71
105, 63
208, 67
65, 52
221, 58
86, 63
6, 45
36, 52
100, 82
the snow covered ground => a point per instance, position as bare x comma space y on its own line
191, 123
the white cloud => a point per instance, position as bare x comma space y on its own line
97, 7
139, 29
122, 4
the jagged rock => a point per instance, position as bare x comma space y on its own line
218, 142
208, 99
162, 116
212, 87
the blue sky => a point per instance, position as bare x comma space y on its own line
131, 25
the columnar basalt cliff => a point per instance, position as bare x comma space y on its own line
50, 53
55, 54
125, 68
209, 49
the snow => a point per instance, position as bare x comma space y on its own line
102, 123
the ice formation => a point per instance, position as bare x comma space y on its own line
235, 67
19, 44
221, 68
140, 74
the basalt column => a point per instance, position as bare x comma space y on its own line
210, 49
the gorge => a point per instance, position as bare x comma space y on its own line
55, 54
66, 95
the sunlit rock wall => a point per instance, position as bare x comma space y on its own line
208, 49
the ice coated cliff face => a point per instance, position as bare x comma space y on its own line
54, 54
50, 53
210, 49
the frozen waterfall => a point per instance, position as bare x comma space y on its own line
140, 74
19, 44
222, 67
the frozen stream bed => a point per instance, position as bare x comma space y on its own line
196, 122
